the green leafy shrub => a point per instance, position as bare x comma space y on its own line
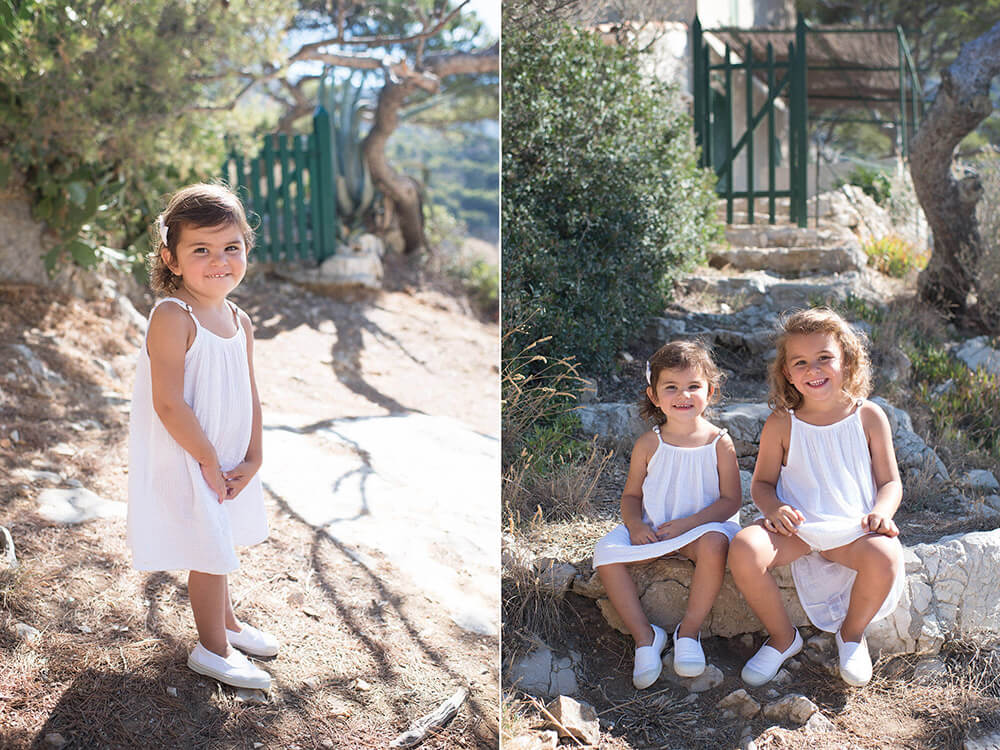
965, 404
894, 256
603, 203
99, 108
873, 182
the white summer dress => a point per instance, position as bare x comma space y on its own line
829, 478
679, 482
175, 521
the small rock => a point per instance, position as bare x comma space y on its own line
554, 577
360, 684
930, 671
627, 358
84, 628
246, 695
741, 702
77, 505
818, 724
710, 678
822, 643
987, 742
783, 677
746, 640
772, 694
980, 479
55, 739
63, 450
172, 691
792, 709
15, 436
258, 744
577, 719
26, 633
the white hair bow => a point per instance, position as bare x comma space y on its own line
648, 373
162, 226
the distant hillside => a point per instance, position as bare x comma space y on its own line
460, 169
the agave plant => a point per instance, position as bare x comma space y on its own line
355, 191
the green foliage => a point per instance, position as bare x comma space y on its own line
98, 107
355, 190
553, 442
965, 404
894, 256
857, 308
873, 182
603, 203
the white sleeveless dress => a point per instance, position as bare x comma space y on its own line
679, 482
175, 521
829, 478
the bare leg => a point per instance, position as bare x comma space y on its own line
876, 560
625, 599
709, 554
231, 622
752, 554
207, 593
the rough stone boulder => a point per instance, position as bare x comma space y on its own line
952, 589
663, 587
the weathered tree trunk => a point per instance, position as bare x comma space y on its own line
401, 81
402, 191
962, 102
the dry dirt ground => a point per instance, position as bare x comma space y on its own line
364, 652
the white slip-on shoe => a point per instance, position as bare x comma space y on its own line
235, 669
764, 665
689, 659
253, 641
648, 660
855, 661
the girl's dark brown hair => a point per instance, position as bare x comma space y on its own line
680, 355
856, 366
198, 205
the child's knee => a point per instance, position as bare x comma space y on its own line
713, 545
743, 549
883, 555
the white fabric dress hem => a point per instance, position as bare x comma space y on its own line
616, 546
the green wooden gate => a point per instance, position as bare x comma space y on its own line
713, 120
290, 186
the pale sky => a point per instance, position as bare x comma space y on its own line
489, 13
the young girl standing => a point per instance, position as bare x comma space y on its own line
827, 484
682, 495
195, 429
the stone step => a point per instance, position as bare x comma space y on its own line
792, 262
775, 293
788, 235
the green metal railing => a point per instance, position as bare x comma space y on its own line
791, 85
786, 80
289, 185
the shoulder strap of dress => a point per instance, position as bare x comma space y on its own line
180, 302
718, 437
656, 429
236, 313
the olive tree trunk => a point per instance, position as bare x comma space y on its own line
402, 191
961, 103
